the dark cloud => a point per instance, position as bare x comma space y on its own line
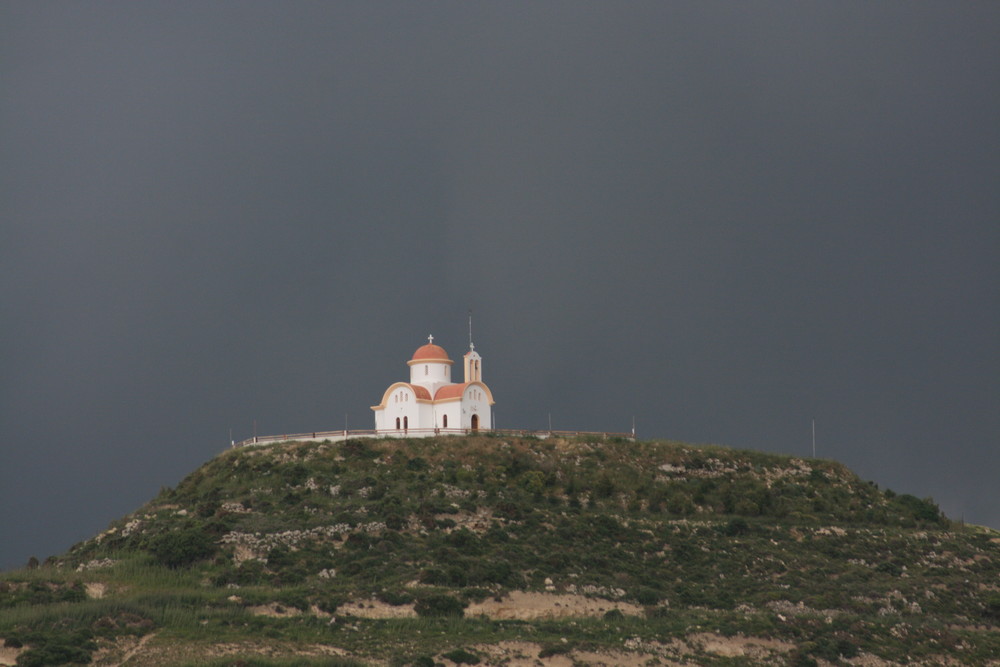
722, 219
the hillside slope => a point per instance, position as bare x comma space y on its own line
514, 551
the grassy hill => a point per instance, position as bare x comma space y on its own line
500, 550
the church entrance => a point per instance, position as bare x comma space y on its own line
475, 422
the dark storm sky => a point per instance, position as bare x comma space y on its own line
722, 218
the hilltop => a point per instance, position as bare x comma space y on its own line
518, 551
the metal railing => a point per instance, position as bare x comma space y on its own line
346, 434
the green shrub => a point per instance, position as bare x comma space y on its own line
395, 598
62, 648
800, 658
461, 657
181, 547
647, 596
924, 510
52, 655
476, 594
605, 486
439, 604
550, 650
992, 609
736, 526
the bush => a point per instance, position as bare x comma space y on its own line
461, 657
181, 547
924, 510
831, 649
550, 650
800, 658
737, 526
993, 608
437, 604
74, 648
647, 596
395, 598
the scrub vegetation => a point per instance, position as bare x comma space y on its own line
414, 552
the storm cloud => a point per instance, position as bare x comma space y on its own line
721, 219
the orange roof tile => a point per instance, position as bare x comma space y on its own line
449, 391
430, 352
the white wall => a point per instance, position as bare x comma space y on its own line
476, 400
430, 375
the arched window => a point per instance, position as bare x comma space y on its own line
445, 421
406, 423
426, 371
397, 423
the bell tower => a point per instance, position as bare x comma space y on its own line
473, 365
472, 360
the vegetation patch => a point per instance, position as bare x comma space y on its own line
408, 551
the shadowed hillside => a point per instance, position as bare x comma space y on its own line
500, 550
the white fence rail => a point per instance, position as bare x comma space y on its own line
344, 434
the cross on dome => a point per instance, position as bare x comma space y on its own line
430, 340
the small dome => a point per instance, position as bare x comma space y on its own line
430, 352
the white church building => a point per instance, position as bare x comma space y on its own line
430, 402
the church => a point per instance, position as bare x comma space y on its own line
430, 402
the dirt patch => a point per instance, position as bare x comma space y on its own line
616, 659
95, 590
8, 655
274, 610
136, 653
115, 653
376, 609
519, 605
738, 646
525, 654
478, 522
520, 654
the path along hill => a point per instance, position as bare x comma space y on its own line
514, 551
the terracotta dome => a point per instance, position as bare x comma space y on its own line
430, 352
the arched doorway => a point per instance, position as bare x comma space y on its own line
475, 422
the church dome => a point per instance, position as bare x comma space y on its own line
431, 352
